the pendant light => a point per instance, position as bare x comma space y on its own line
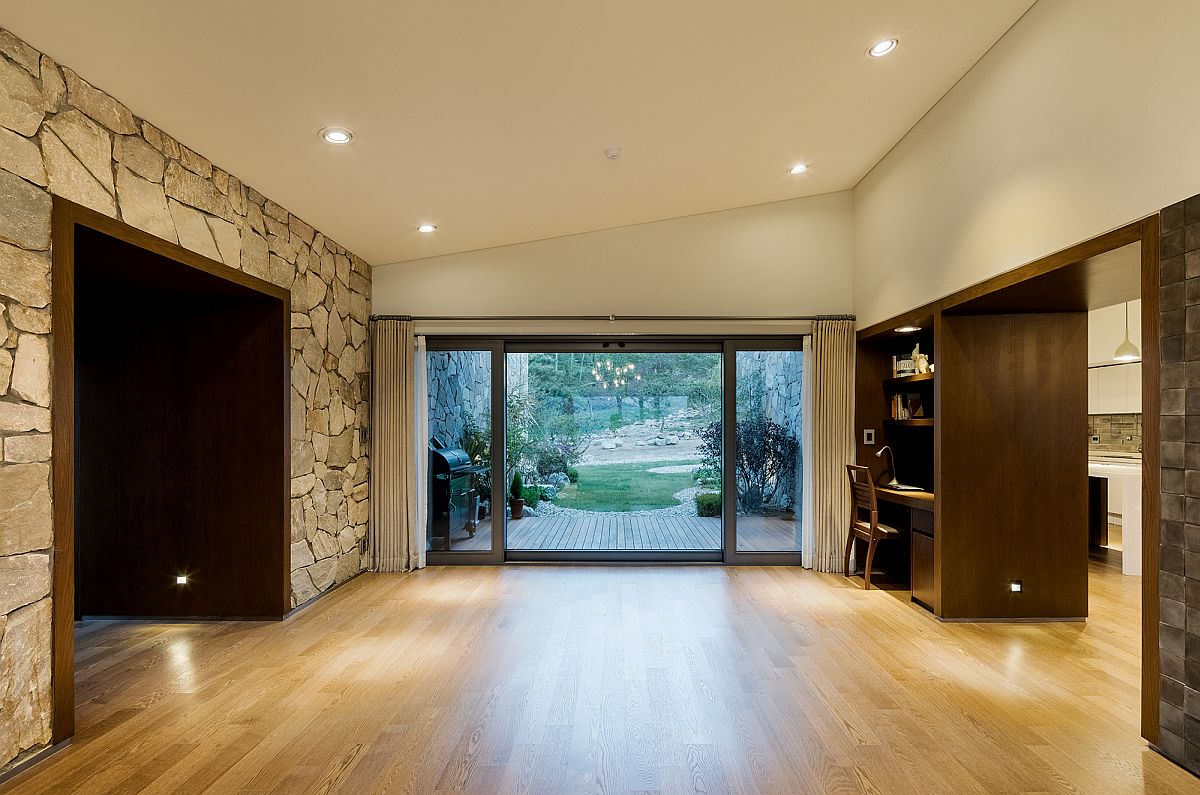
1127, 351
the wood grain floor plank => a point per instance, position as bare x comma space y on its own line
636, 679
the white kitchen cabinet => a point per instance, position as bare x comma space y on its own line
1115, 389
1124, 490
1133, 387
1110, 391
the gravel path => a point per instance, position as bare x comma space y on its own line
673, 470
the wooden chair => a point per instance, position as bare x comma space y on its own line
864, 519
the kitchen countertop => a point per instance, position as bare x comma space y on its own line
1106, 458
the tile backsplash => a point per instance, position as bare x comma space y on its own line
1114, 430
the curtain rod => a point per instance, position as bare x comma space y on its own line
614, 318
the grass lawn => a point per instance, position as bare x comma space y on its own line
625, 487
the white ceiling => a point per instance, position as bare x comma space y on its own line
490, 118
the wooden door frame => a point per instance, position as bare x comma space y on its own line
1145, 231
65, 217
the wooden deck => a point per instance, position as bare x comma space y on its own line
629, 532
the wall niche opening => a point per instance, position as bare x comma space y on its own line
180, 432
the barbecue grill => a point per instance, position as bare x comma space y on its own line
450, 493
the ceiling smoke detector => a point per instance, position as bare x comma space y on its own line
612, 152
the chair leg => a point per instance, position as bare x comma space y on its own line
870, 562
849, 548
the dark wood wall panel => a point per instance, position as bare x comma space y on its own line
1152, 495
1012, 494
180, 440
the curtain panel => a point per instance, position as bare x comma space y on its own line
397, 543
832, 439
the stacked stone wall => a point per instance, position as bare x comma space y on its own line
61, 135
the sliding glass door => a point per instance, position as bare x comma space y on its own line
465, 498
764, 451
617, 447
621, 450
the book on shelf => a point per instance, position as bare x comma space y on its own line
907, 406
903, 366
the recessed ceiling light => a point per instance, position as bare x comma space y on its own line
181, 579
799, 168
908, 329
427, 228
882, 48
337, 135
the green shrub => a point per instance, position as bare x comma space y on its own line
518, 487
573, 474
531, 495
708, 504
707, 475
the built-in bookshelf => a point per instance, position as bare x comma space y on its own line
909, 399
885, 371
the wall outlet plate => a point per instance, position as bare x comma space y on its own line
1095, 439
868, 436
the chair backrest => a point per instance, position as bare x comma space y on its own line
862, 491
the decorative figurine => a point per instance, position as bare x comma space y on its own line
921, 360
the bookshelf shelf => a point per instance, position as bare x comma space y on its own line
920, 422
903, 381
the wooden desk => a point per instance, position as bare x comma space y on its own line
918, 521
922, 500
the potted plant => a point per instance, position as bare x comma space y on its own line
517, 503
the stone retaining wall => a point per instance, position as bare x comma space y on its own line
61, 135
460, 386
781, 377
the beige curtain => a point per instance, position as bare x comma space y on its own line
397, 543
832, 438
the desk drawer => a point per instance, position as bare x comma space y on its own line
922, 521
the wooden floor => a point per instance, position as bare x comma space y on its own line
547, 679
600, 530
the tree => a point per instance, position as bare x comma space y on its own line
764, 462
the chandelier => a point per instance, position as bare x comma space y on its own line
607, 375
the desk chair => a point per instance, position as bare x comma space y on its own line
864, 520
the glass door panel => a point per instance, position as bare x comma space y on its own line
765, 460
460, 520
618, 451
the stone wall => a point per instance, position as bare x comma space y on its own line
1179, 542
460, 386
61, 135
777, 378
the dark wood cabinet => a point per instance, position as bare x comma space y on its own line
1002, 448
922, 521
1097, 512
923, 591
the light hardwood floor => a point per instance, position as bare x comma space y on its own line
545, 679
